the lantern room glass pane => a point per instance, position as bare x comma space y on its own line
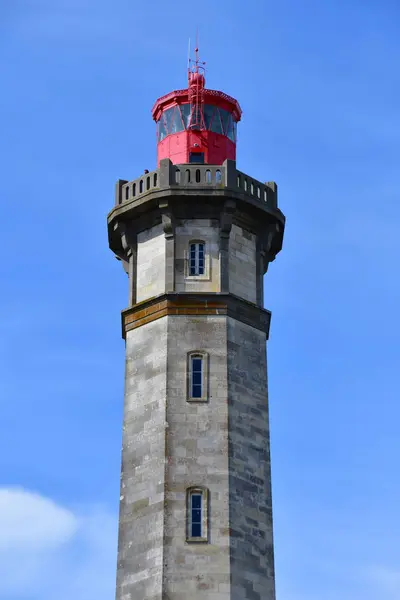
231, 129
162, 132
176, 122
169, 116
234, 124
208, 115
216, 125
170, 122
185, 111
225, 118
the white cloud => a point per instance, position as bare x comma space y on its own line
49, 551
32, 522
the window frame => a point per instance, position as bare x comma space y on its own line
203, 492
204, 376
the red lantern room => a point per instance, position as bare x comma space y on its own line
196, 125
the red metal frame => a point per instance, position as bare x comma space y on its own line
196, 137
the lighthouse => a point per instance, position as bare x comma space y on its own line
195, 237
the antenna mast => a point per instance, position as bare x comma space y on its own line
196, 82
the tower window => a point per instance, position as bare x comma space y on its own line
196, 258
196, 505
197, 515
196, 157
196, 383
197, 376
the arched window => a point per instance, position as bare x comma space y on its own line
197, 514
155, 180
265, 195
127, 192
208, 176
141, 186
238, 182
245, 185
134, 190
177, 176
196, 258
252, 188
218, 176
198, 176
187, 179
258, 192
148, 183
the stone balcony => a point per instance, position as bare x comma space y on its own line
200, 178
188, 191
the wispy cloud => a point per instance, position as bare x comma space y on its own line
48, 550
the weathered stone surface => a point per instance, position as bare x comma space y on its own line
141, 529
242, 264
170, 444
150, 270
197, 449
250, 508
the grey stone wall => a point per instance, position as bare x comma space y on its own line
242, 264
141, 527
197, 230
197, 447
250, 508
150, 263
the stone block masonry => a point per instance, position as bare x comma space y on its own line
141, 525
150, 263
242, 264
171, 444
197, 448
250, 505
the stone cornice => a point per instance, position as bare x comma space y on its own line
200, 304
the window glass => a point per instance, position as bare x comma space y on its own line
231, 129
196, 157
176, 122
216, 124
234, 130
201, 259
185, 111
162, 132
196, 515
208, 115
197, 377
169, 116
196, 259
225, 118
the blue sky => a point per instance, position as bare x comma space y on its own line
319, 86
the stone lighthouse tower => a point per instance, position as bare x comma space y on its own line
195, 237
